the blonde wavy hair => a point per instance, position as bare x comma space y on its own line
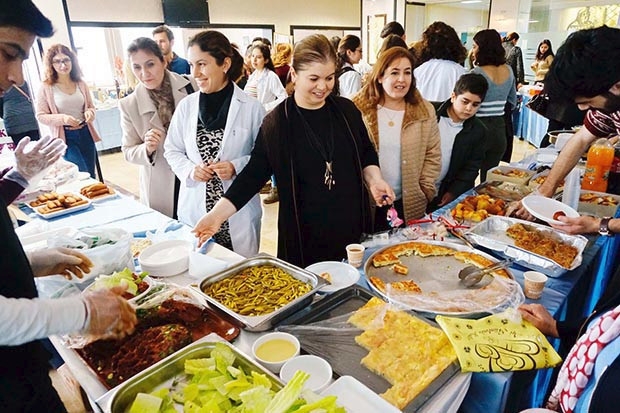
283, 54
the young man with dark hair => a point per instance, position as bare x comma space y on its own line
586, 70
25, 385
165, 40
462, 138
393, 28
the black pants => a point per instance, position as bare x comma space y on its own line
32, 393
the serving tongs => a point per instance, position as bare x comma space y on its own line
455, 232
473, 276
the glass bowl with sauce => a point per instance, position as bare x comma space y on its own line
272, 350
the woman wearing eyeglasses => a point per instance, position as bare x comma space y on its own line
65, 105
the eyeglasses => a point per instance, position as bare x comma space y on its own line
59, 62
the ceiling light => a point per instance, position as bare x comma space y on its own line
471, 1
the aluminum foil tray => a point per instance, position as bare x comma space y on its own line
491, 234
163, 373
267, 321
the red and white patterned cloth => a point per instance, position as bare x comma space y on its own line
579, 364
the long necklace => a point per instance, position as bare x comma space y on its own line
324, 147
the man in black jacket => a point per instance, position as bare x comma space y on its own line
462, 138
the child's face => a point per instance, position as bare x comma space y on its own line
465, 105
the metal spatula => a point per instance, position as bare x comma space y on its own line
472, 275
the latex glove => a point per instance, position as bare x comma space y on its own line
42, 154
583, 224
540, 318
109, 314
63, 261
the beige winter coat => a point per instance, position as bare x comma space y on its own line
138, 115
420, 152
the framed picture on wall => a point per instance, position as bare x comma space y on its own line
375, 25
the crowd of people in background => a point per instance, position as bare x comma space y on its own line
344, 144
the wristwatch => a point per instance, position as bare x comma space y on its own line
603, 228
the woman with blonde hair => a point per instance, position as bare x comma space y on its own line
403, 127
282, 60
318, 148
65, 105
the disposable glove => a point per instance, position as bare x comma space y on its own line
109, 314
59, 260
42, 154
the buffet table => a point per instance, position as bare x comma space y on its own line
571, 295
530, 125
126, 213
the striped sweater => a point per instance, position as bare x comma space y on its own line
497, 95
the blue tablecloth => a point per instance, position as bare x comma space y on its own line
572, 295
530, 125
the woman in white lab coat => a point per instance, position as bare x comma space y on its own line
210, 139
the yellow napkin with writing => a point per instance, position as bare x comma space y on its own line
497, 344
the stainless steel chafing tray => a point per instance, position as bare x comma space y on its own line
267, 321
162, 374
491, 234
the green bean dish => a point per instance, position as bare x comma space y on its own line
257, 290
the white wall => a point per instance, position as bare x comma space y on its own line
463, 20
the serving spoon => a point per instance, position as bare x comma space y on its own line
472, 275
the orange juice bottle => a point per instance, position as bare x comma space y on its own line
598, 164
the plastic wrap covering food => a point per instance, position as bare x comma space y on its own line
108, 249
58, 174
499, 343
395, 353
491, 233
499, 295
168, 319
424, 276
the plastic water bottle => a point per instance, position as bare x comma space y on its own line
572, 189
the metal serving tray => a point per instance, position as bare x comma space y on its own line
347, 360
442, 290
491, 234
162, 374
267, 321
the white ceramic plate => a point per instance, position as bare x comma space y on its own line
343, 275
356, 397
544, 208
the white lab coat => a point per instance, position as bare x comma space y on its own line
244, 119
269, 89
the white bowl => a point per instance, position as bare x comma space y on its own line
342, 274
319, 370
275, 363
166, 258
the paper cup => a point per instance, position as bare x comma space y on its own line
534, 284
355, 254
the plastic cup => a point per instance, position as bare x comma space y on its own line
534, 284
355, 254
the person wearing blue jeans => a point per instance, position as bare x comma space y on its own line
81, 149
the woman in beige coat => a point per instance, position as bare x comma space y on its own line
145, 117
404, 129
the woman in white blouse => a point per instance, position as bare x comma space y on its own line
349, 53
263, 84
